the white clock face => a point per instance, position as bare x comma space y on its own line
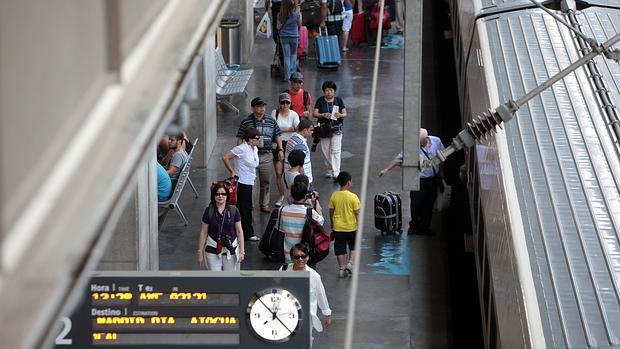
274, 315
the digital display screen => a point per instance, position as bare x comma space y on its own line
161, 310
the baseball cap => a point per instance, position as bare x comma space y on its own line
284, 97
257, 102
296, 76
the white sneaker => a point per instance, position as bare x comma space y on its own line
349, 268
279, 202
329, 174
342, 273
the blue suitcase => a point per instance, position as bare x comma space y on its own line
327, 51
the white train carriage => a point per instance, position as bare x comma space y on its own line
545, 191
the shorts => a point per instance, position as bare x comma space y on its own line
275, 151
342, 240
347, 21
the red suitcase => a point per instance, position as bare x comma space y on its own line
358, 28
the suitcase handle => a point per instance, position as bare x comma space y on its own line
321, 31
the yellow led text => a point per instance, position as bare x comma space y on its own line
226, 320
162, 320
107, 336
150, 295
120, 320
104, 296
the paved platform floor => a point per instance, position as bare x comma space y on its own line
403, 298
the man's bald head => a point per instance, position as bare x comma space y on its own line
423, 137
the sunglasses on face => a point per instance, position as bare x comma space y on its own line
285, 102
300, 256
220, 194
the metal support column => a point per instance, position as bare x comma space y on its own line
413, 94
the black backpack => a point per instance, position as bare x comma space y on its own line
306, 96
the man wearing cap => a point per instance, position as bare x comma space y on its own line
270, 133
301, 100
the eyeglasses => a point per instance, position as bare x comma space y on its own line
285, 102
220, 194
300, 256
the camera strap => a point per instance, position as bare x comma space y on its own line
221, 227
428, 157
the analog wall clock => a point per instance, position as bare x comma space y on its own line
274, 315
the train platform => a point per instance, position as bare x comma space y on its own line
403, 300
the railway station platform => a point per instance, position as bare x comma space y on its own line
403, 300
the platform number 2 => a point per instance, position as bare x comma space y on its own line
66, 328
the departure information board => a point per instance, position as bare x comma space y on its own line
157, 310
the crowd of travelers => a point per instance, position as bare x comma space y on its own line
280, 142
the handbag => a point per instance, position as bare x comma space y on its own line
317, 239
272, 242
444, 197
231, 184
444, 191
325, 128
263, 30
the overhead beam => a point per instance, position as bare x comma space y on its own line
65, 225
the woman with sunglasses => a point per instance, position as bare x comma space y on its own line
287, 120
247, 162
318, 299
221, 235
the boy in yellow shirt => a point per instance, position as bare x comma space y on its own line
344, 207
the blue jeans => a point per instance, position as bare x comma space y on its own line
289, 53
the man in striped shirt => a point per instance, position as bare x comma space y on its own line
269, 133
298, 142
332, 16
293, 218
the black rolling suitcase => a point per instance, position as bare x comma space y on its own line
388, 212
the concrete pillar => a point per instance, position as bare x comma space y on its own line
210, 102
197, 125
412, 107
134, 245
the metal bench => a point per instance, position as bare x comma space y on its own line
173, 203
229, 82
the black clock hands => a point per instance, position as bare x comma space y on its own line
289, 331
265, 305
275, 317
